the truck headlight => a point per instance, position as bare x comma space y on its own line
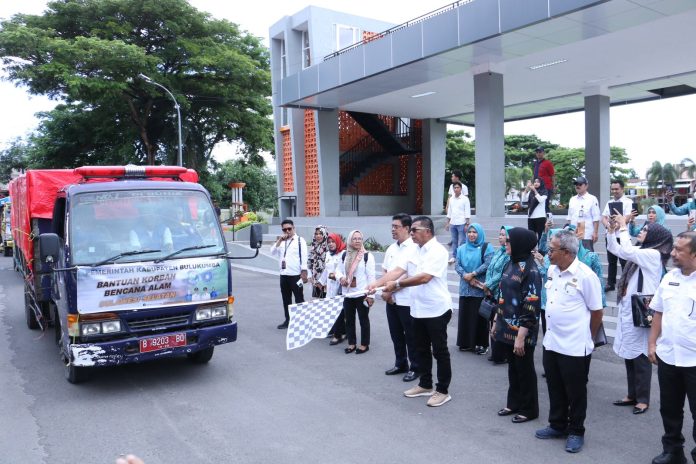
110, 327
90, 329
214, 312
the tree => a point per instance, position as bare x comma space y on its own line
517, 178
520, 149
87, 53
660, 175
689, 167
260, 190
12, 158
459, 154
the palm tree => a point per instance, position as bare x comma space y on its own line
660, 175
689, 167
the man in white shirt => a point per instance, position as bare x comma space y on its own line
291, 251
617, 193
399, 303
431, 307
458, 216
457, 177
672, 346
573, 315
584, 207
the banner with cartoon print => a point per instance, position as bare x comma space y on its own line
120, 287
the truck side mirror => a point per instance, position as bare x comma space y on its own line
256, 236
49, 247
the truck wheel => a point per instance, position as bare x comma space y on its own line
32, 323
75, 374
202, 356
7, 251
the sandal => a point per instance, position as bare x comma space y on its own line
349, 350
505, 412
518, 419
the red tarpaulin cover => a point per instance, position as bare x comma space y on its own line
34, 194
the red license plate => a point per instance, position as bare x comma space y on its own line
162, 342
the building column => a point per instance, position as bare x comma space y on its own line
597, 148
328, 157
490, 141
297, 130
434, 142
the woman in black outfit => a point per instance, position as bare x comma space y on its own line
537, 194
517, 324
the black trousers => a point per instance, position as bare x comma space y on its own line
339, 327
566, 377
288, 289
350, 306
639, 376
676, 383
430, 337
613, 267
401, 331
537, 225
472, 329
522, 395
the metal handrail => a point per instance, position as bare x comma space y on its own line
411, 22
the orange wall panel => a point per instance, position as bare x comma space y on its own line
312, 206
288, 184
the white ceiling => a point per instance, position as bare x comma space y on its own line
621, 48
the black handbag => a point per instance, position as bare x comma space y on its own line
640, 306
488, 308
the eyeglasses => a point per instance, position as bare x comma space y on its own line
416, 229
287, 229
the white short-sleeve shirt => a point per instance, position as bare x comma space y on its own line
627, 206
571, 295
391, 259
584, 208
675, 298
433, 298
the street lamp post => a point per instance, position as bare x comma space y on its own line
180, 158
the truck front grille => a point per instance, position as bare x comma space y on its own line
156, 323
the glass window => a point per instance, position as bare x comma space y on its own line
283, 59
106, 224
346, 36
306, 58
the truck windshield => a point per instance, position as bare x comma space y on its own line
103, 225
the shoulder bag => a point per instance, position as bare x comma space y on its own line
488, 308
640, 306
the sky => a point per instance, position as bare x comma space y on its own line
658, 130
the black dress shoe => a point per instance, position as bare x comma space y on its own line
625, 403
638, 410
670, 458
506, 412
282, 326
411, 376
518, 419
362, 350
396, 370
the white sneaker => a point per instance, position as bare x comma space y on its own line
416, 391
438, 399
451, 261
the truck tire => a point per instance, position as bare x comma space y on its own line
32, 323
201, 356
7, 251
75, 374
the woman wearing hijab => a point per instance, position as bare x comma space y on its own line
316, 260
492, 285
517, 324
536, 215
647, 263
655, 215
473, 258
356, 270
328, 279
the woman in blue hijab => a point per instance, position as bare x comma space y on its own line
473, 259
654, 215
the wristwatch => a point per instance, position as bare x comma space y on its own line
398, 285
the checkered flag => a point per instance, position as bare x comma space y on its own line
314, 319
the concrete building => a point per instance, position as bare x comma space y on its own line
361, 106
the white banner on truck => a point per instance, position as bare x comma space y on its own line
120, 287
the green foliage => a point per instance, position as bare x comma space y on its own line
689, 167
519, 149
87, 54
459, 154
371, 244
517, 177
13, 157
260, 190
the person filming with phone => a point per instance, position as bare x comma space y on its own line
619, 204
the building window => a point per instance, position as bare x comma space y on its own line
306, 57
346, 36
283, 60
283, 117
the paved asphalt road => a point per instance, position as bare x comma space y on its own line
257, 403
